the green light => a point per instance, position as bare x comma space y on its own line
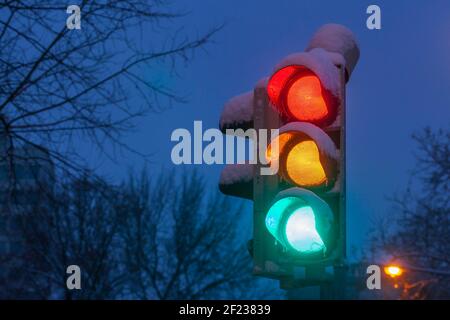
275, 214
301, 232
293, 223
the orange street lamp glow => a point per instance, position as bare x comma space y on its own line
393, 271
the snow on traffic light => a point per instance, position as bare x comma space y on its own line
299, 211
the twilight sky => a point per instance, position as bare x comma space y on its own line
401, 84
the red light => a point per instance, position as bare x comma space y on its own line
305, 101
299, 95
278, 81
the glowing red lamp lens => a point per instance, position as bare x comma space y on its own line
278, 81
299, 96
305, 101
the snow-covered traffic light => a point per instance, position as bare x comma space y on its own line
299, 212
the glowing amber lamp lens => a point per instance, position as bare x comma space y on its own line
305, 101
393, 271
303, 165
278, 144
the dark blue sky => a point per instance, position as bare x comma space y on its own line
401, 84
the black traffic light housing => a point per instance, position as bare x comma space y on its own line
328, 61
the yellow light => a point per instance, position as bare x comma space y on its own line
303, 164
278, 143
300, 161
393, 271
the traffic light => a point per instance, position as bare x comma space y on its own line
299, 212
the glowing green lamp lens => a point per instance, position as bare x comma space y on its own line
301, 232
293, 223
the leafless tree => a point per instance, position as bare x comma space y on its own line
79, 226
169, 237
183, 242
60, 87
417, 235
